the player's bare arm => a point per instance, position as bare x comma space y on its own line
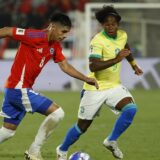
6, 32
132, 62
70, 70
96, 64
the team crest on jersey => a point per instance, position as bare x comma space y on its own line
117, 50
51, 50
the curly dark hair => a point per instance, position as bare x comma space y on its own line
106, 11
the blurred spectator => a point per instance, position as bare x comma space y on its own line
35, 19
25, 6
5, 17
33, 13
66, 5
79, 4
52, 5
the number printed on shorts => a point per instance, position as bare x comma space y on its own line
42, 62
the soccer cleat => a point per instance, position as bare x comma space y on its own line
61, 155
28, 156
113, 147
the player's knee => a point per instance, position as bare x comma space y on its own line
84, 125
6, 133
57, 115
60, 113
83, 128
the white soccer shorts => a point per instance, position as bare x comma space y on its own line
92, 101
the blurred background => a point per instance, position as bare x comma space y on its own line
140, 19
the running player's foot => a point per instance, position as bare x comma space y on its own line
29, 156
113, 147
61, 155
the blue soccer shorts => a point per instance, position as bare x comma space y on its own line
19, 101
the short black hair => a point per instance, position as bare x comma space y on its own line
61, 18
106, 11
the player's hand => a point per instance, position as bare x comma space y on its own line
138, 70
122, 54
92, 82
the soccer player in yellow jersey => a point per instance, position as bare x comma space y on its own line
107, 49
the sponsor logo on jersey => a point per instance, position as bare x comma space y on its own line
40, 50
33, 34
20, 31
51, 50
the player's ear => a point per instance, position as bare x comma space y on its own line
52, 26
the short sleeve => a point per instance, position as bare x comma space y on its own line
58, 56
29, 36
124, 35
19, 34
95, 49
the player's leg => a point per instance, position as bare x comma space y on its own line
71, 137
12, 113
74, 133
54, 114
89, 106
10, 125
128, 110
7, 131
123, 102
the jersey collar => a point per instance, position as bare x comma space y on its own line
108, 37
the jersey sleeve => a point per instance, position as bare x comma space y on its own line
95, 49
58, 56
124, 35
28, 36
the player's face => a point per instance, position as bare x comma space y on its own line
110, 26
57, 32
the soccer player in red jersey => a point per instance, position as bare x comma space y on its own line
36, 48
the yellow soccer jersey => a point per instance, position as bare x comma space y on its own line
104, 47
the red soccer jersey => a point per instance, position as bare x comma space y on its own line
33, 53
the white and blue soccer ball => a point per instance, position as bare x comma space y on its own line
80, 156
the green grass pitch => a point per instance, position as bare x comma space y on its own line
140, 142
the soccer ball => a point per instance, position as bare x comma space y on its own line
79, 156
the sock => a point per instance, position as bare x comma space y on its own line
72, 136
123, 122
46, 128
5, 134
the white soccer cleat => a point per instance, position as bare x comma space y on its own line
113, 147
61, 155
29, 156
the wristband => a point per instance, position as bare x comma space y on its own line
133, 63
